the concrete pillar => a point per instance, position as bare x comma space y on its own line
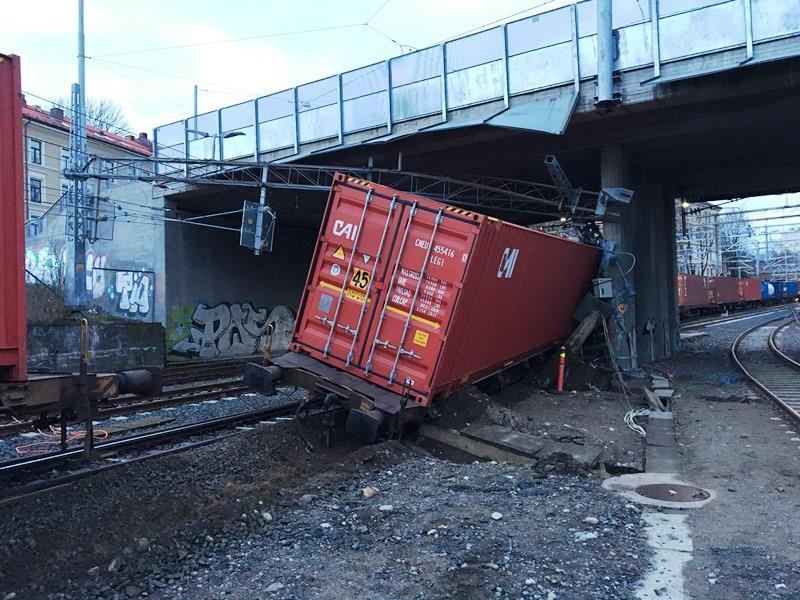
645, 229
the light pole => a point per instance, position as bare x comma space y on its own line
214, 137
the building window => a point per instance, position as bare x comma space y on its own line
35, 192
108, 169
35, 147
64, 190
64, 159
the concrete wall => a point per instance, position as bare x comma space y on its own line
124, 274
219, 296
112, 346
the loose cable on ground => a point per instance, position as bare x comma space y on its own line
41, 447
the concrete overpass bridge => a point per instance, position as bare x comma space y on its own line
672, 98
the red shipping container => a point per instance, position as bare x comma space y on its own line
420, 298
726, 290
694, 291
750, 289
12, 234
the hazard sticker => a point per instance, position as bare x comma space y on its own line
421, 338
360, 279
339, 253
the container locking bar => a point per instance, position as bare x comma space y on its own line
392, 204
367, 202
376, 341
422, 272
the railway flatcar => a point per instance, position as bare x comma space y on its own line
394, 311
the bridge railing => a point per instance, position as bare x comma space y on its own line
518, 58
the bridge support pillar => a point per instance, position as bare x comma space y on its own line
648, 328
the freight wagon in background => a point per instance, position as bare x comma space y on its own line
408, 299
698, 294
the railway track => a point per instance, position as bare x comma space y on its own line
71, 465
756, 353
184, 383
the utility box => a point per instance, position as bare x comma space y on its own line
603, 287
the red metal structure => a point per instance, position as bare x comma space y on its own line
12, 233
749, 289
420, 298
694, 291
726, 291
408, 299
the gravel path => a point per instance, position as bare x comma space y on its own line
747, 541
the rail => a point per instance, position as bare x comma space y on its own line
774, 373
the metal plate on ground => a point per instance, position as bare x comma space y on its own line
673, 492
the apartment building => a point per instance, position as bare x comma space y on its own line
46, 135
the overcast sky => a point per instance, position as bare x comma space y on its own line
153, 85
121, 34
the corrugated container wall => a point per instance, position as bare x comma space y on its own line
750, 289
12, 237
726, 290
419, 297
694, 291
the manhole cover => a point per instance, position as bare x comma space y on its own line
672, 492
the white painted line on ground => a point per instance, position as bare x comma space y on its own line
729, 321
668, 535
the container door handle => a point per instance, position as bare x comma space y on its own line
367, 202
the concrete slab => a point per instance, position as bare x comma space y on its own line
664, 393
660, 414
532, 446
660, 436
500, 436
662, 459
464, 443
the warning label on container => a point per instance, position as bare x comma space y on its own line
339, 253
360, 279
421, 338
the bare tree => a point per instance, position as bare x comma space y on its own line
102, 113
735, 233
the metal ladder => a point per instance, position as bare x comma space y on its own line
377, 259
367, 202
377, 341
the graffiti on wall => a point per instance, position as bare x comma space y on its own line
134, 290
45, 264
224, 330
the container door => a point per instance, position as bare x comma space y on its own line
353, 253
417, 298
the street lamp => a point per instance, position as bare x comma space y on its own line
214, 136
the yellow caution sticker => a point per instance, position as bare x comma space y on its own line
339, 253
360, 279
421, 338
